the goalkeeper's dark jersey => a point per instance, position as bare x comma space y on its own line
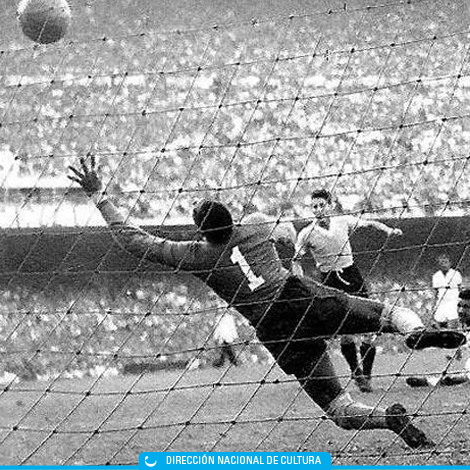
246, 272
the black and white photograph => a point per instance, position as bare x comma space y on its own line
234, 226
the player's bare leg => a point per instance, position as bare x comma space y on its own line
350, 353
368, 352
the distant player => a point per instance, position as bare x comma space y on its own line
447, 377
446, 282
292, 316
225, 334
326, 240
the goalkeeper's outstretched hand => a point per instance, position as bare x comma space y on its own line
87, 178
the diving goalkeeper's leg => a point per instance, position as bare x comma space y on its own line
372, 316
316, 374
349, 414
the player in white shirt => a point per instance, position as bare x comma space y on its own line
327, 240
446, 282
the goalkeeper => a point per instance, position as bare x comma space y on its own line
293, 317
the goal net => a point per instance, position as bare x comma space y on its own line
105, 356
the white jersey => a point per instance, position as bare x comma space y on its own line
447, 286
331, 247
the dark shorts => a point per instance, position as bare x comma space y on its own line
295, 328
348, 280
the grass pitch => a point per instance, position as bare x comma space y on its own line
249, 408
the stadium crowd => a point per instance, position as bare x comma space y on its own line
238, 109
139, 326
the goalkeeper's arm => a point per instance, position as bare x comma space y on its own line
131, 238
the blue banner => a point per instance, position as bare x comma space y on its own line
235, 460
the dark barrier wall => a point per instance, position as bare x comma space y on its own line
70, 254
414, 253
78, 257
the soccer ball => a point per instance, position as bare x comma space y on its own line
44, 21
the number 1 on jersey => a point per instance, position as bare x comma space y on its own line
254, 281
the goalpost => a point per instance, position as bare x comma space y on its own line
105, 356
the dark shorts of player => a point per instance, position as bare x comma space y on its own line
348, 280
296, 326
